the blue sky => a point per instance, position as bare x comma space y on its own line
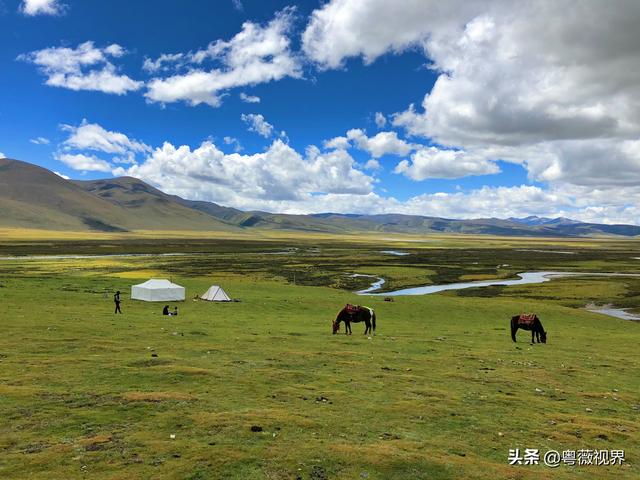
491, 139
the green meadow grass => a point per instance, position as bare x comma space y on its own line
440, 392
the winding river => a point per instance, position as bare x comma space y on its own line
615, 312
525, 278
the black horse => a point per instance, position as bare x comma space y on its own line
355, 314
528, 322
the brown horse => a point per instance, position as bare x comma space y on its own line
528, 322
355, 313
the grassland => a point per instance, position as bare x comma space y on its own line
440, 392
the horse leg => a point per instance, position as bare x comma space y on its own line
514, 329
347, 328
367, 326
533, 340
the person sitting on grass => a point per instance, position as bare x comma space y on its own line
165, 310
175, 312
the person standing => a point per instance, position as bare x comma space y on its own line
116, 300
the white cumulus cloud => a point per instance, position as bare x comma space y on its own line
380, 120
257, 54
257, 124
165, 61
278, 177
233, 142
554, 92
80, 161
432, 162
83, 68
91, 136
42, 7
372, 164
383, 143
249, 98
342, 143
344, 28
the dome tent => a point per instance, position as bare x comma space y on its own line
215, 294
157, 290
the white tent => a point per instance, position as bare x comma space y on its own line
215, 294
157, 290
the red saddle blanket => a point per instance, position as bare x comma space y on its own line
527, 317
352, 308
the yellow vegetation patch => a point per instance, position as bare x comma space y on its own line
158, 397
39, 234
18, 390
377, 453
96, 440
61, 448
138, 274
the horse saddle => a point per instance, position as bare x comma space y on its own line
352, 309
527, 318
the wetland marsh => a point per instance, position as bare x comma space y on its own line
436, 393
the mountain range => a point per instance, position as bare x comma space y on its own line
34, 197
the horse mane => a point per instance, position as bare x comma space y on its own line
343, 311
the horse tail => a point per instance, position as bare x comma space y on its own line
373, 319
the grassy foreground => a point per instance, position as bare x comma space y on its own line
440, 392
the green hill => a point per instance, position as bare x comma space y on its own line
149, 208
34, 197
